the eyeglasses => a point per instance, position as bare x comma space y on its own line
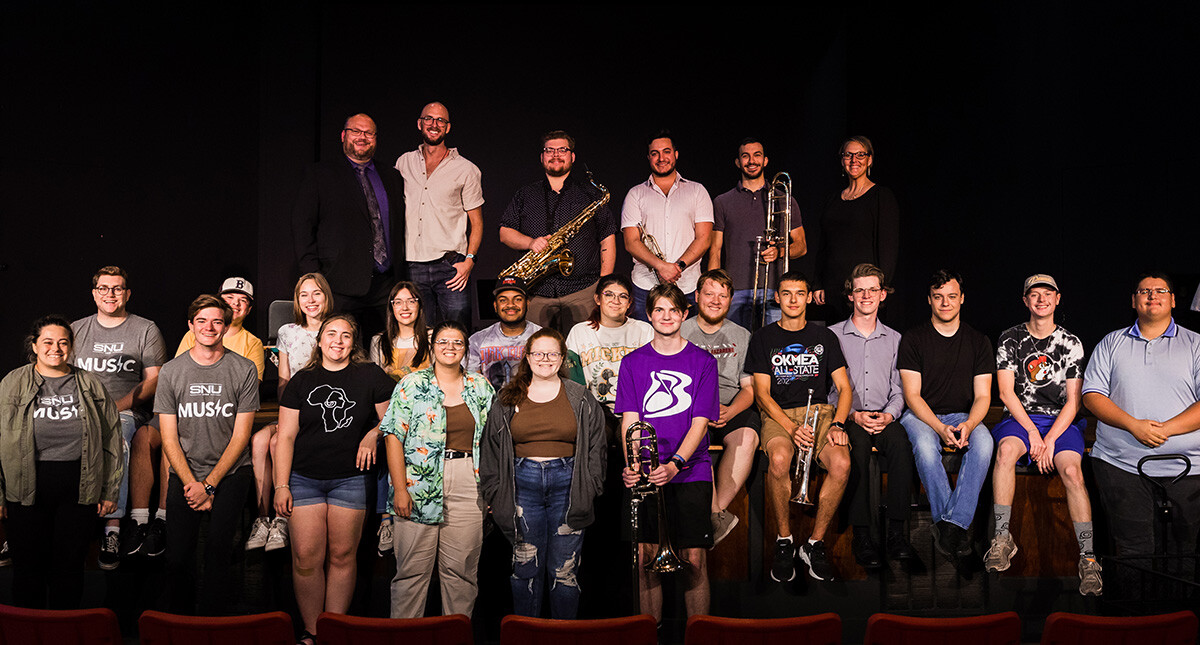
545, 356
430, 119
455, 343
855, 155
366, 133
104, 291
1160, 291
610, 295
411, 302
871, 291
550, 152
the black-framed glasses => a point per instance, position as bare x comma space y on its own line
860, 155
555, 151
105, 290
430, 119
545, 356
366, 133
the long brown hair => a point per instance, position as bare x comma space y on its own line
517, 388
323, 285
357, 355
387, 339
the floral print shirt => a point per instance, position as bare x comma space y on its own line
417, 416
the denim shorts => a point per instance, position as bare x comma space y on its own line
347, 492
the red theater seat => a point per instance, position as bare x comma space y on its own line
158, 628
628, 630
339, 629
1062, 628
58, 627
822, 629
993, 629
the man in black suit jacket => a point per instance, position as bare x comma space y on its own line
358, 246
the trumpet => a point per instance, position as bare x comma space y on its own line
804, 460
651, 245
778, 232
641, 449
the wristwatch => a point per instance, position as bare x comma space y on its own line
470, 256
681, 264
210, 489
838, 424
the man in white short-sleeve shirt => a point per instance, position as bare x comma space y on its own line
678, 214
443, 198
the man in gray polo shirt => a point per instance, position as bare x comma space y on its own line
1143, 385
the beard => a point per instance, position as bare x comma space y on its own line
349, 149
654, 171
712, 321
558, 172
433, 142
747, 176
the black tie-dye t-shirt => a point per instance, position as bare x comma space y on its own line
1042, 366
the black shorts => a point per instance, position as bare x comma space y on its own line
689, 516
748, 418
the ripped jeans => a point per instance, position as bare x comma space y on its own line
545, 541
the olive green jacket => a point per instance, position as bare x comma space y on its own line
101, 467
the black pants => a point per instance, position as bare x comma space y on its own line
893, 445
183, 531
368, 309
1129, 503
49, 540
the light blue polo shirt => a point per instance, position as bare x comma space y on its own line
1150, 379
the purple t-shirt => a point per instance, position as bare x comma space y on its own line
668, 392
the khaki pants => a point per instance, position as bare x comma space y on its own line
564, 312
454, 545
772, 429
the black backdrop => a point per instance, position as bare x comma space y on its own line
1018, 140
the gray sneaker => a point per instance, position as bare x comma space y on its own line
723, 522
258, 533
277, 535
385, 537
999, 556
1090, 583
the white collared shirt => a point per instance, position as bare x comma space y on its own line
671, 219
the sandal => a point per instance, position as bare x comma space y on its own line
307, 638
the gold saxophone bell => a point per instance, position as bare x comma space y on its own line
556, 257
641, 449
803, 470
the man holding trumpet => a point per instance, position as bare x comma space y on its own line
794, 366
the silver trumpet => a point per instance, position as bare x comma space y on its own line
801, 473
641, 449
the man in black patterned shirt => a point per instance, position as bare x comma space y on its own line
543, 207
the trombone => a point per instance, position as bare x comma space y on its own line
778, 233
801, 473
641, 450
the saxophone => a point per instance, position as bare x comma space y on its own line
536, 264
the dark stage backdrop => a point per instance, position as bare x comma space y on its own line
171, 141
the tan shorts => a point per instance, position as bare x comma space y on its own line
772, 429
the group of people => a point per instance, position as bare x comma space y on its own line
386, 396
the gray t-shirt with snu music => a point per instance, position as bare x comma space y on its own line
57, 429
206, 400
117, 355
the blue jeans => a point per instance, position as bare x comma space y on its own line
637, 310
545, 542
956, 506
129, 425
438, 301
740, 308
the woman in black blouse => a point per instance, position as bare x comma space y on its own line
861, 224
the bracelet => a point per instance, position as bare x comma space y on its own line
283, 486
678, 461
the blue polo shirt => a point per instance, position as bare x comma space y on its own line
1150, 379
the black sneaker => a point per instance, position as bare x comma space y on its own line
898, 547
866, 552
132, 538
813, 554
110, 550
947, 538
784, 567
156, 538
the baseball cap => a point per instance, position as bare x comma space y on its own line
1039, 280
509, 283
238, 285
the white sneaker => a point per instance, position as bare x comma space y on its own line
258, 533
277, 537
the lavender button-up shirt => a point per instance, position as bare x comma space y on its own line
871, 365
